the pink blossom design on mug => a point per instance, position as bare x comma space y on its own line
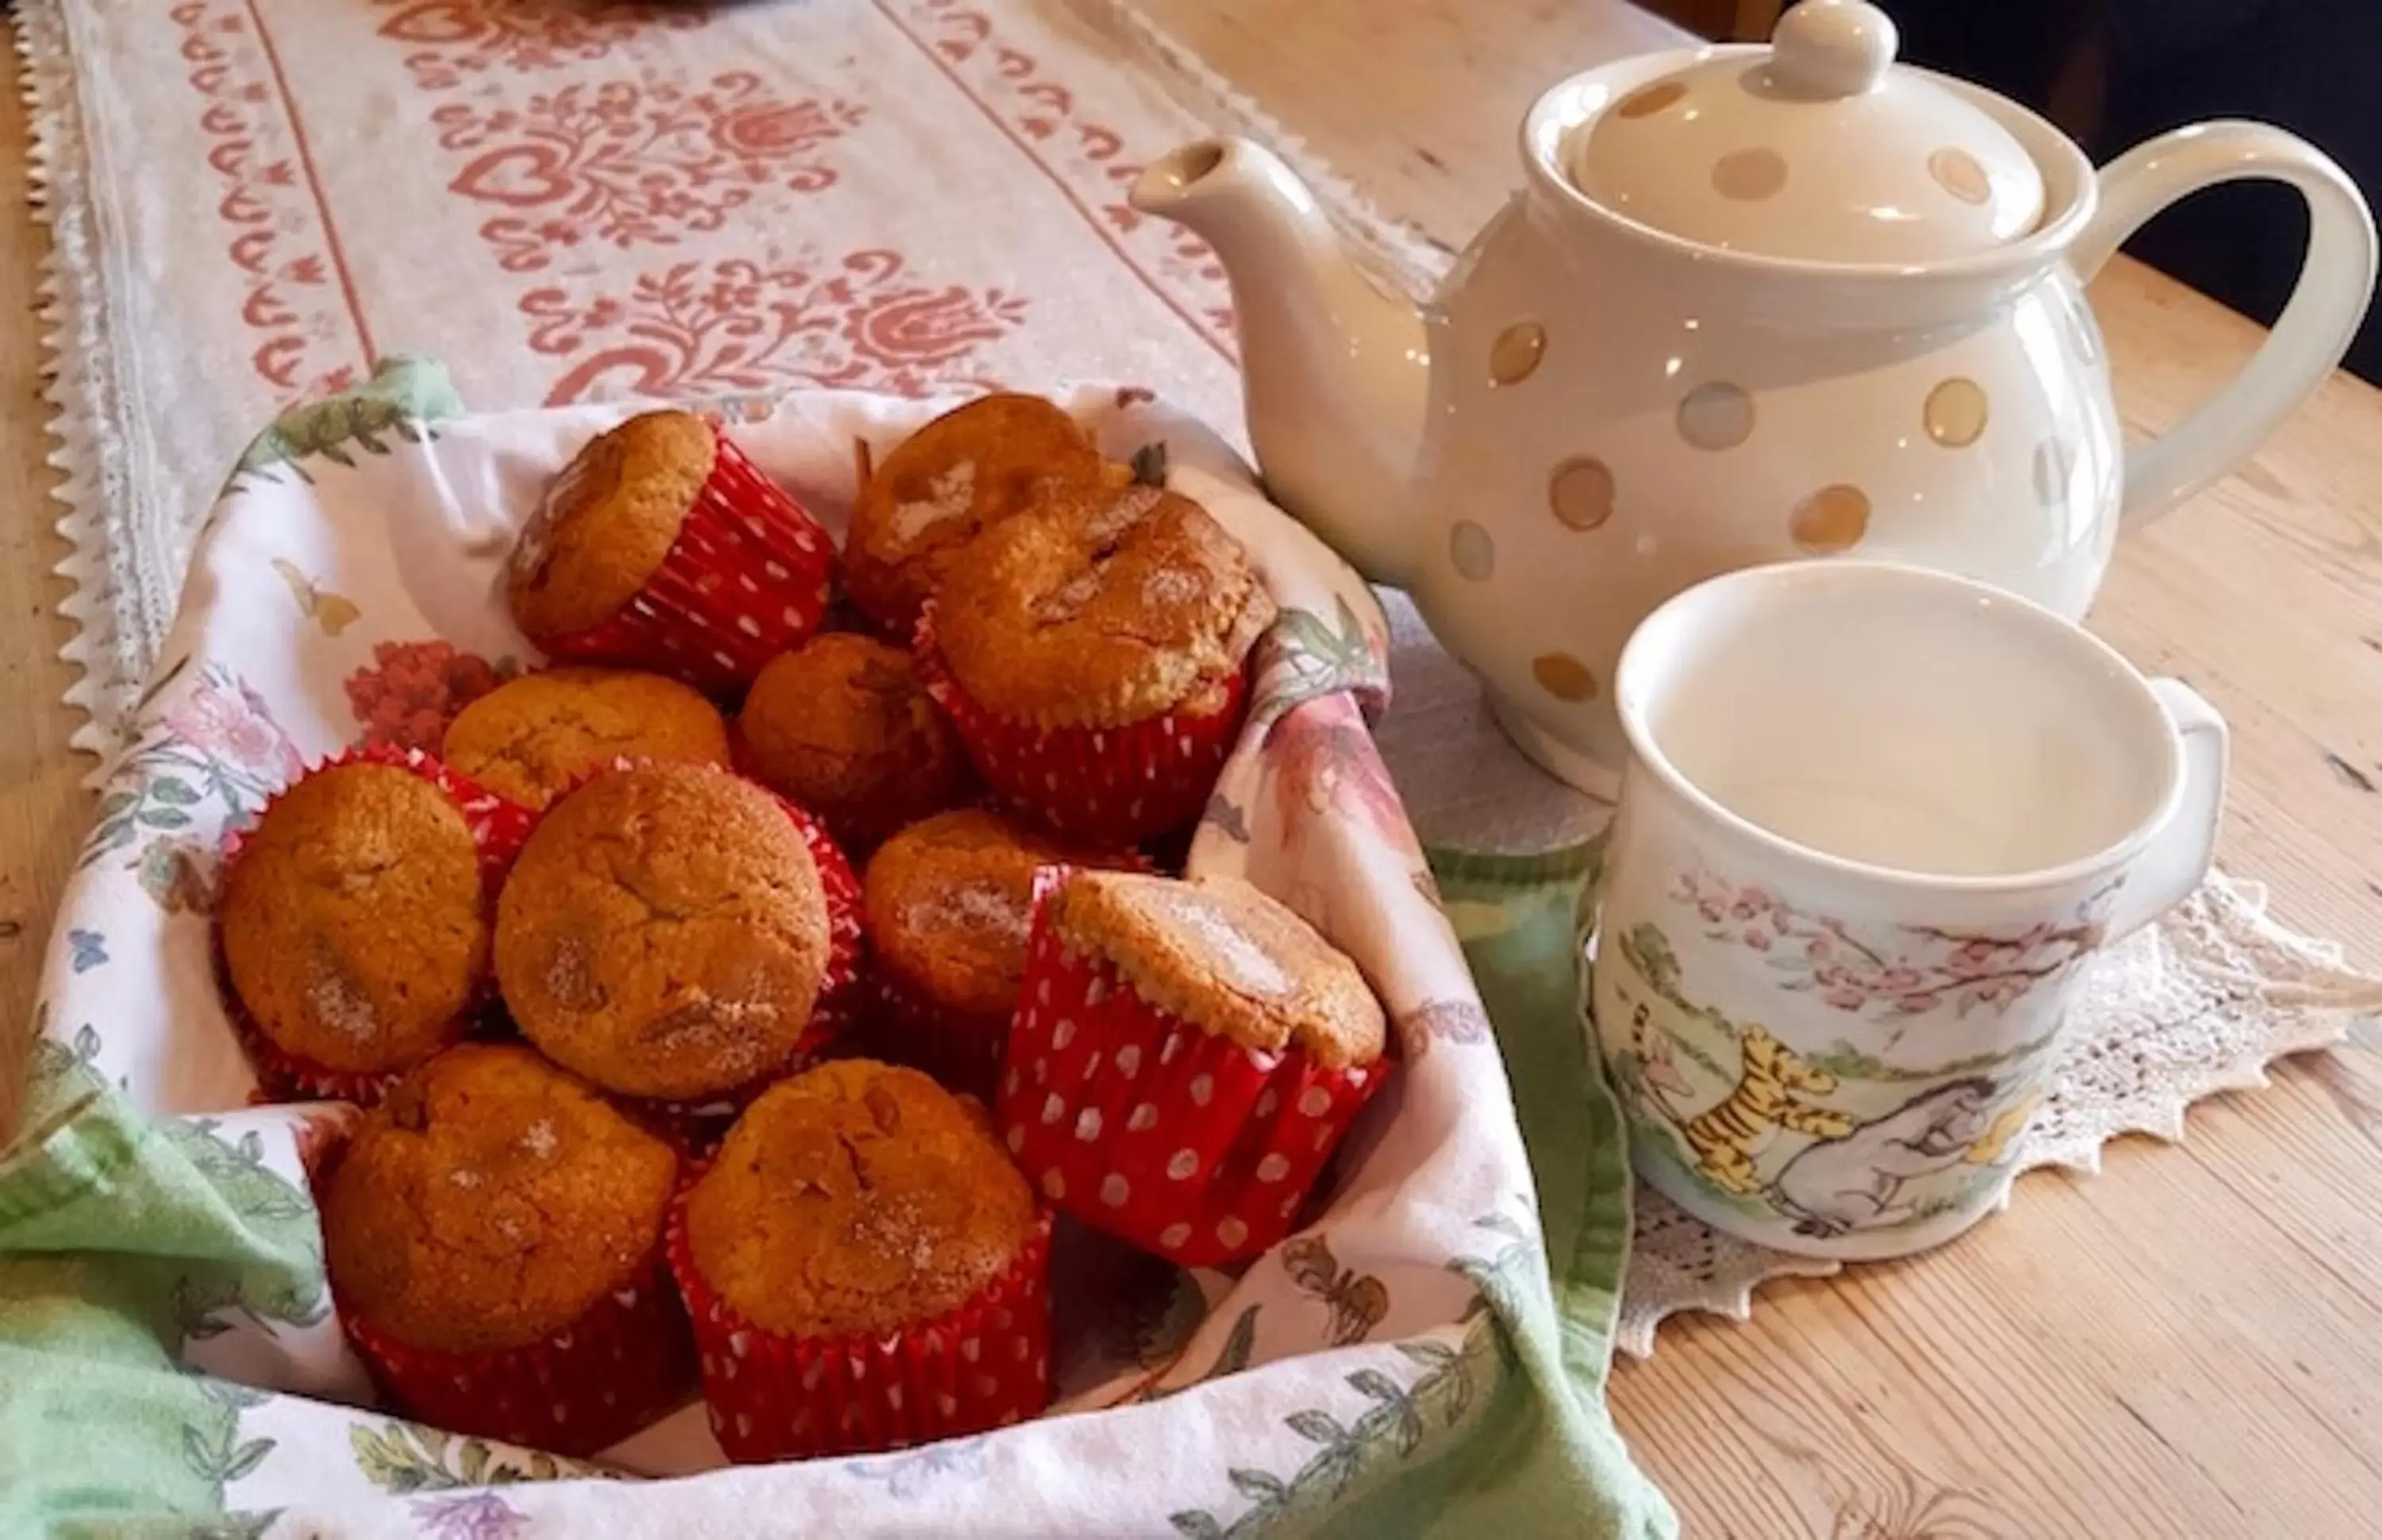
1923, 968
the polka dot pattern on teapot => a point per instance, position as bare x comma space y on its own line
1830, 520
1716, 415
1955, 413
1563, 677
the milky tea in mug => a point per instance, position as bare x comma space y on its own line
1874, 821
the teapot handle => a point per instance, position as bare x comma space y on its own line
2335, 282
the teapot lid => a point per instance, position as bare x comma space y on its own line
1819, 148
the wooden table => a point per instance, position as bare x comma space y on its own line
2185, 1345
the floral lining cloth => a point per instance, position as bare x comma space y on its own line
1430, 1356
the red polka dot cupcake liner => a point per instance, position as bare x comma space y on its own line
1144, 1125
748, 577
695, 1126
499, 828
1108, 786
623, 1365
773, 1396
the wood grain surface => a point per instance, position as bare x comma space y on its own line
2186, 1345
43, 809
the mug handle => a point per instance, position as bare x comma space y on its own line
2326, 305
2172, 868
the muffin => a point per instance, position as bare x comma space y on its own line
945, 905
353, 925
677, 933
1184, 1058
1094, 657
841, 727
865, 1270
966, 469
534, 737
495, 1237
661, 546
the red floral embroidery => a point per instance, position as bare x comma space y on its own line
412, 690
312, 340
736, 325
629, 163
1088, 158
462, 38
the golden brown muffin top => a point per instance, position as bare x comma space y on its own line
973, 466
489, 1202
354, 920
1109, 609
842, 726
607, 522
664, 933
532, 739
1216, 951
856, 1197
946, 904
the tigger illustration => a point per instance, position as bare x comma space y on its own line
1729, 1136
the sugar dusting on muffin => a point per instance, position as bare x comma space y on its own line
490, 1200
355, 919
1217, 951
664, 933
1102, 609
856, 1197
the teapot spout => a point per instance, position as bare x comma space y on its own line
1334, 367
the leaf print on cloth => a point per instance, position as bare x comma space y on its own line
469, 1516
1391, 1421
178, 876
212, 1451
460, 39
1925, 969
706, 329
1304, 656
405, 395
633, 162
268, 1202
407, 1457
410, 693
216, 740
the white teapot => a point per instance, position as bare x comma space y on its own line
1751, 302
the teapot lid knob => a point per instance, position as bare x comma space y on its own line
1826, 49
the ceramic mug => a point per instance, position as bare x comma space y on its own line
1874, 823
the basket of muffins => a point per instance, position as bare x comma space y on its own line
739, 1000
